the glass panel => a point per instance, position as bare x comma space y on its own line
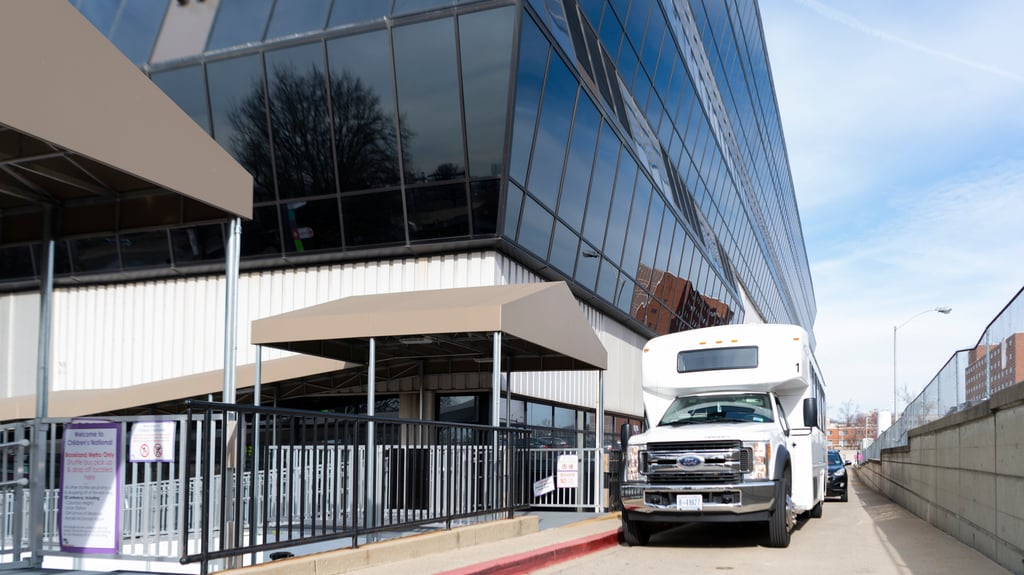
413, 6
311, 225
363, 111
145, 249
95, 254
619, 215
437, 212
357, 11
262, 235
533, 58
601, 186
300, 122
240, 117
484, 202
715, 359
486, 44
513, 210
539, 415
535, 232
565, 418
187, 88
101, 13
563, 248
16, 262
137, 27
371, 219
197, 244
428, 100
587, 265
295, 17
459, 408
606, 280
580, 163
239, 22
552, 133
517, 407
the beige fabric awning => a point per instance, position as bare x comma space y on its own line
80, 403
448, 330
82, 130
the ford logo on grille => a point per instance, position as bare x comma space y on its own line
690, 460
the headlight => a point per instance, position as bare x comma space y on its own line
762, 451
632, 463
841, 472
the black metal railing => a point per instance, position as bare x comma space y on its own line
268, 479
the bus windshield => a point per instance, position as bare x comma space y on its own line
719, 408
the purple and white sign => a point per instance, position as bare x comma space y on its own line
89, 510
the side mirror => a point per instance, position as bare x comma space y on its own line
810, 412
624, 433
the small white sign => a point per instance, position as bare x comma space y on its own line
568, 471
690, 502
543, 486
152, 441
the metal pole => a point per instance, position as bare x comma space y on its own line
599, 444
37, 479
372, 484
231, 309
495, 410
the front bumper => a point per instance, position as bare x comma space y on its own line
726, 502
836, 485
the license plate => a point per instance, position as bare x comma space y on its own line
689, 502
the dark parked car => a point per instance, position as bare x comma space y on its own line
837, 476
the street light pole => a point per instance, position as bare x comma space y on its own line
944, 311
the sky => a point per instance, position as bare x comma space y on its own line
904, 126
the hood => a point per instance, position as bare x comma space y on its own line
747, 431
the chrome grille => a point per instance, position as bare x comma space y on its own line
715, 462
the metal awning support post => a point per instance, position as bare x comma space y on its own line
372, 480
599, 444
256, 502
232, 511
496, 413
37, 479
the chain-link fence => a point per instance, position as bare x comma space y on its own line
970, 376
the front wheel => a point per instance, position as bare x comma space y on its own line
634, 533
778, 522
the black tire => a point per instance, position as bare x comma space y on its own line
634, 533
845, 496
816, 510
778, 526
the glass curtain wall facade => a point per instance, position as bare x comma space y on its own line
630, 147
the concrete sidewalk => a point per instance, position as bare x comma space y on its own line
507, 546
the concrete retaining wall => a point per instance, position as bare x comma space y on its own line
964, 474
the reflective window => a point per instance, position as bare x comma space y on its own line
296, 17
563, 248
653, 234
587, 264
535, 228
239, 22
240, 118
533, 58
363, 111
373, 219
136, 29
483, 197
513, 210
565, 418
552, 133
636, 21
637, 225
357, 11
601, 183
311, 225
428, 100
187, 88
262, 234
437, 212
554, 16
95, 254
611, 34
606, 280
580, 162
513, 411
485, 39
300, 122
145, 249
413, 6
618, 217
16, 262
538, 414
101, 13
197, 244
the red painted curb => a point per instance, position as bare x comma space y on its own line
542, 557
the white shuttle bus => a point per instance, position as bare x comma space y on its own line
736, 432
